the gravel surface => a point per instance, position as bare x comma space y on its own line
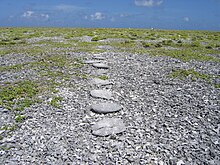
167, 121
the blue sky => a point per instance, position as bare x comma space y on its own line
163, 14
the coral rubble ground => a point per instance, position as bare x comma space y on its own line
109, 96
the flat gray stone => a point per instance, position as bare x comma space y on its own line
99, 72
106, 107
101, 94
108, 126
99, 57
99, 82
91, 61
100, 65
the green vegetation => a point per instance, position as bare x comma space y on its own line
97, 38
185, 54
193, 75
54, 63
8, 127
19, 95
55, 101
83, 76
188, 44
19, 118
182, 74
103, 77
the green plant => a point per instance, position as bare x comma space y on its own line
97, 38
55, 101
9, 127
19, 95
19, 118
192, 74
103, 77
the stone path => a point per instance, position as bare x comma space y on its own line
106, 126
98, 81
158, 120
106, 107
101, 65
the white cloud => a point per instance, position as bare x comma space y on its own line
97, 16
148, 3
34, 15
28, 14
124, 15
46, 16
187, 19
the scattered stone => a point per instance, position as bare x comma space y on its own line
99, 72
100, 65
108, 126
99, 57
98, 81
91, 61
106, 107
2, 131
101, 94
180, 162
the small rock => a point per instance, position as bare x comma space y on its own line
98, 81
99, 57
99, 72
106, 107
101, 65
91, 61
101, 94
108, 126
180, 162
2, 131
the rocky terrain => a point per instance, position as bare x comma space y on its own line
113, 107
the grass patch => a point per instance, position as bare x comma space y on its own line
182, 74
97, 38
20, 118
103, 77
19, 95
9, 127
55, 101
217, 85
193, 75
184, 54
81, 75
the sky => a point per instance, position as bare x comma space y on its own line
158, 14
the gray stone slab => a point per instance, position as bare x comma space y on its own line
99, 72
101, 94
108, 126
91, 61
99, 57
106, 107
100, 65
100, 82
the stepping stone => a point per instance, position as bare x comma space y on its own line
99, 57
99, 82
108, 126
101, 94
91, 61
106, 107
99, 72
100, 65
